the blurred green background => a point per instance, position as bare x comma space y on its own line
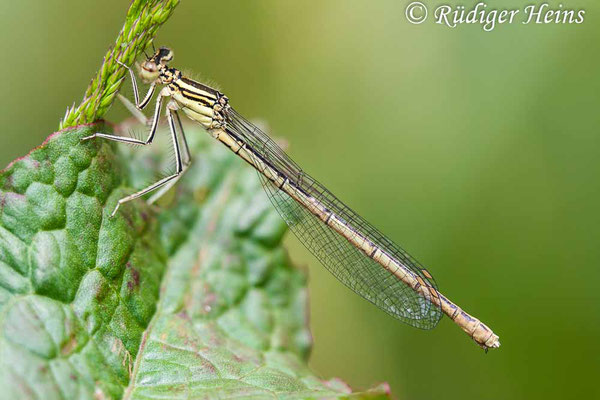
477, 152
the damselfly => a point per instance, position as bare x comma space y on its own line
353, 250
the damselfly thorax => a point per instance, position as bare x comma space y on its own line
352, 249
199, 102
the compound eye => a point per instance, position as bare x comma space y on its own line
149, 71
149, 66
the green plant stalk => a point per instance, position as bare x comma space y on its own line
141, 23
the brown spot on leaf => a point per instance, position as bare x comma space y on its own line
134, 280
69, 346
184, 315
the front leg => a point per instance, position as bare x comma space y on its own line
136, 94
163, 93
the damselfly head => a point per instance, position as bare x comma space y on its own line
150, 69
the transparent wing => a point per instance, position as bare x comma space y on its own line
347, 263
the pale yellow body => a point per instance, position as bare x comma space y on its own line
477, 330
210, 108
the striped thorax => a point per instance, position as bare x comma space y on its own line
198, 101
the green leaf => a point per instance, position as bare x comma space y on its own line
193, 299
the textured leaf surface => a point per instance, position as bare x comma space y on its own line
197, 301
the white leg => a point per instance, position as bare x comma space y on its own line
136, 95
167, 181
149, 139
186, 159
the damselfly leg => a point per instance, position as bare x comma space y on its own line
132, 108
136, 93
186, 158
182, 162
167, 182
131, 140
136, 108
